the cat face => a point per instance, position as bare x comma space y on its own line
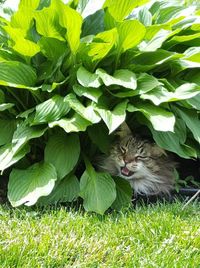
132, 158
145, 165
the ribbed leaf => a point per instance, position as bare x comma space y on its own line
191, 120
88, 79
47, 22
99, 135
119, 9
24, 132
123, 77
124, 194
12, 153
114, 118
160, 119
74, 124
87, 113
97, 190
23, 17
52, 48
22, 45
156, 42
14, 72
51, 110
7, 129
171, 142
71, 20
102, 44
66, 190
63, 152
161, 94
90, 93
27, 186
127, 39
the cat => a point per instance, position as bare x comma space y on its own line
147, 167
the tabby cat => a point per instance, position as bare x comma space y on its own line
146, 166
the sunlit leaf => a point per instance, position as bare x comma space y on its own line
27, 186
114, 118
122, 77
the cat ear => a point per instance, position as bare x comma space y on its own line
157, 151
123, 130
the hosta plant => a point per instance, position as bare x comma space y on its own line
70, 74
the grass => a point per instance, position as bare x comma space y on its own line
160, 235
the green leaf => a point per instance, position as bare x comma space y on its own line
90, 93
173, 14
192, 54
102, 44
22, 45
99, 135
71, 20
52, 48
12, 153
63, 152
2, 97
97, 190
156, 42
173, 142
191, 120
23, 17
51, 110
94, 23
87, 113
160, 119
66, 190
87, 79
127, 39
124, 194
146, 83
123, 77
6, 106
144, 16
27, 186
74, 124
7, 129
146, 61
24, 133
113, 119
18, 73
119, 9
161, 94
194, 102
181, 39
47, 22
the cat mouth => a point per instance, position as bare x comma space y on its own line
126, 172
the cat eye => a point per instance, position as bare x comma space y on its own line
139, 157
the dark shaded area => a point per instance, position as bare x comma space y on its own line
189, 168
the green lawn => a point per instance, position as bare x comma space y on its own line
160, 235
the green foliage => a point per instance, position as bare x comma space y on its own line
70, 74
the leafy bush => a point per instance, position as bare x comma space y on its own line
70, 74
